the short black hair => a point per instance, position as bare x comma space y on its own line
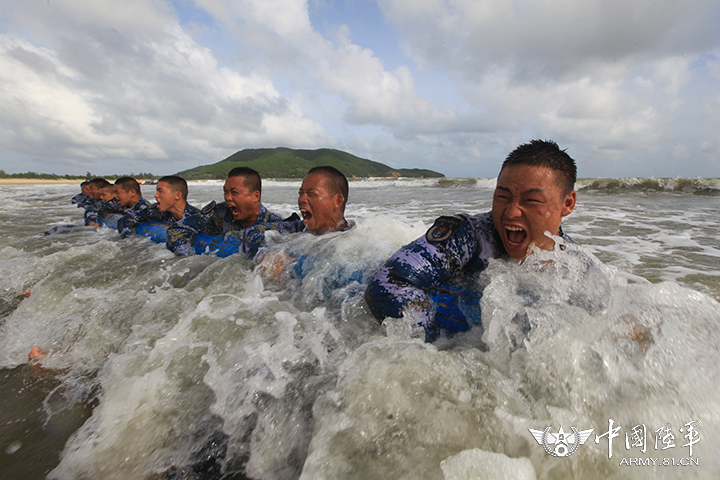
251, 177
336, 180
545, 153
99, 182
176, 183
129, 183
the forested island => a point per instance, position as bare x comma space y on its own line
277, 162
292, 163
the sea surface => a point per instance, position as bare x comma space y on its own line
160, 367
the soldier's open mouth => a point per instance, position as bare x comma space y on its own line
305, 214
515, 235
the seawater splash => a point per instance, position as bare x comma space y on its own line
200, 365
203, 367
404, 409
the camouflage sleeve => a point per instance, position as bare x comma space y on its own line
429, 261
190, 210
211, 220
111, 207
266, 216
273, 217
91, 215
92, 210
180, 237
141, 204
85, 201
254, 237
126, 225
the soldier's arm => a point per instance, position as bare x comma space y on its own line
431, 260
126, 224
254, 237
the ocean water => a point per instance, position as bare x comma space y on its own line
160, 367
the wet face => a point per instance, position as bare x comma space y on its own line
94, 191
528, 202
166, 197
243, 204
321, 210
107, 193
85, 189
126, 199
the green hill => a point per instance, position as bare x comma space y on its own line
289, 163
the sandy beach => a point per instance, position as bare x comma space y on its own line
46, 181
30, 181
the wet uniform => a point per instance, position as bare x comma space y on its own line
126, 225
81, 200
93, 212
91, 206
254, 237
213, 219
453, 248
141, 204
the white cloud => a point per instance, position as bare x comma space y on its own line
550, 38
625, 85
371, 94
142, 90
613, 79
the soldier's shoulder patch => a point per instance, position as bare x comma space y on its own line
442, 229
207, 209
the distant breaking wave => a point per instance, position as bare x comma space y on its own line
695, 186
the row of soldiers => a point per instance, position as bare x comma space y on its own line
321, 201
534, 192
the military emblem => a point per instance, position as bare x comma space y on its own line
442, 229
208, 209
565, 443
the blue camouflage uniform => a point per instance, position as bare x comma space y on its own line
80, 199
93, 210
87, 202
213, 219
453, 248
126, 225
254, 237
141, 204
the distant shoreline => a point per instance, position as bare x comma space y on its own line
581, 182
43, 181
31, 181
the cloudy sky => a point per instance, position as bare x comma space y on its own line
629, 88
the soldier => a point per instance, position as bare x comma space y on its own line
115, 199
534, 191
321, 199
94, 188
99, 190
80, 198
241, 209
171, 207
129, 196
